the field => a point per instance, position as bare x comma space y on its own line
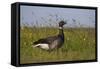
79, 45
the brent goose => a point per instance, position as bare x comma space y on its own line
53, 42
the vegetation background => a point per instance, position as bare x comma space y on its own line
79, 45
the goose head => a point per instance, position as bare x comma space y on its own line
61, 23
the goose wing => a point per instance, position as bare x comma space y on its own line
47, 40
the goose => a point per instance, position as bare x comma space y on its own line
52, 42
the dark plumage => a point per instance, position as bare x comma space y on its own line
52, 42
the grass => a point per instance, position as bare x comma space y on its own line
79, 45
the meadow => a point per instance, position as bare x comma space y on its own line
79, 45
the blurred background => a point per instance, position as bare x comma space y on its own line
50, 16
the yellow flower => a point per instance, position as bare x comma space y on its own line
84, 39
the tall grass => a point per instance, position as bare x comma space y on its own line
79, 45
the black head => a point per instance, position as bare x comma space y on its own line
61, 23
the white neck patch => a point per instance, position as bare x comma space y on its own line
60, 28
